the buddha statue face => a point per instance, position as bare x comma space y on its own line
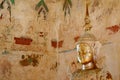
86, 56
85, 53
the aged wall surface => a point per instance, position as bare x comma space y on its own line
33, 47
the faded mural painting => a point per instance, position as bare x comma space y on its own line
38, 38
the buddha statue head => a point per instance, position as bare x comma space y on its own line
86, 51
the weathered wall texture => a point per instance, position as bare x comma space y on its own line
37, 56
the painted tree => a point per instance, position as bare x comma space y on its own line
41, 7
67, 7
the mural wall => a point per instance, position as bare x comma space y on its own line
38, 37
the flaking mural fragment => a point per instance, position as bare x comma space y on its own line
95, 5
5, 69
54, 66
22, 41
56, 44
113, 29
8, 6
32, 59
6, 34
5, 51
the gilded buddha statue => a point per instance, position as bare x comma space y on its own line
86, 45
86, 56
87, 53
